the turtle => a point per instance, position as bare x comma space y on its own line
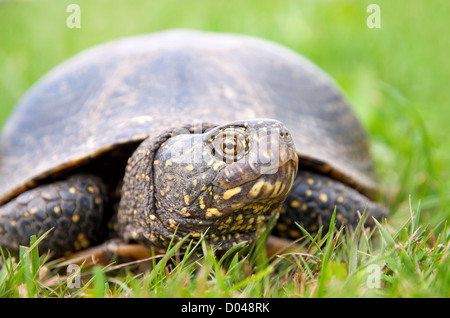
153, 138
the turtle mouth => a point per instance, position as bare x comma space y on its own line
263, 191
256, 209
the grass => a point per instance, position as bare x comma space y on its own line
410, 262
396, 80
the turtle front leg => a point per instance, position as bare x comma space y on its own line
72, 208
312, 201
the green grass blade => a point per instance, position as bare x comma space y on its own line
388, 239
326, 257
99, 281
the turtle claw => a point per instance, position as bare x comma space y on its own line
109, 252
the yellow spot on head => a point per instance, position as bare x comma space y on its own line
237, 205
202, 203
172, 226
232, 192
210, 212
256, 189
184, 211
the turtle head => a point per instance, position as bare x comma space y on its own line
227, 182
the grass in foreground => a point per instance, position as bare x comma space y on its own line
411, 261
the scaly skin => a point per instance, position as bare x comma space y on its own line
312, 202
189, 186
73, 208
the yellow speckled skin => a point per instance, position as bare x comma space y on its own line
164, 198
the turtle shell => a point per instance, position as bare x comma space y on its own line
126, 90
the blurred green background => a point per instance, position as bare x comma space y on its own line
396, 76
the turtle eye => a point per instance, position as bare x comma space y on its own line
229, 146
